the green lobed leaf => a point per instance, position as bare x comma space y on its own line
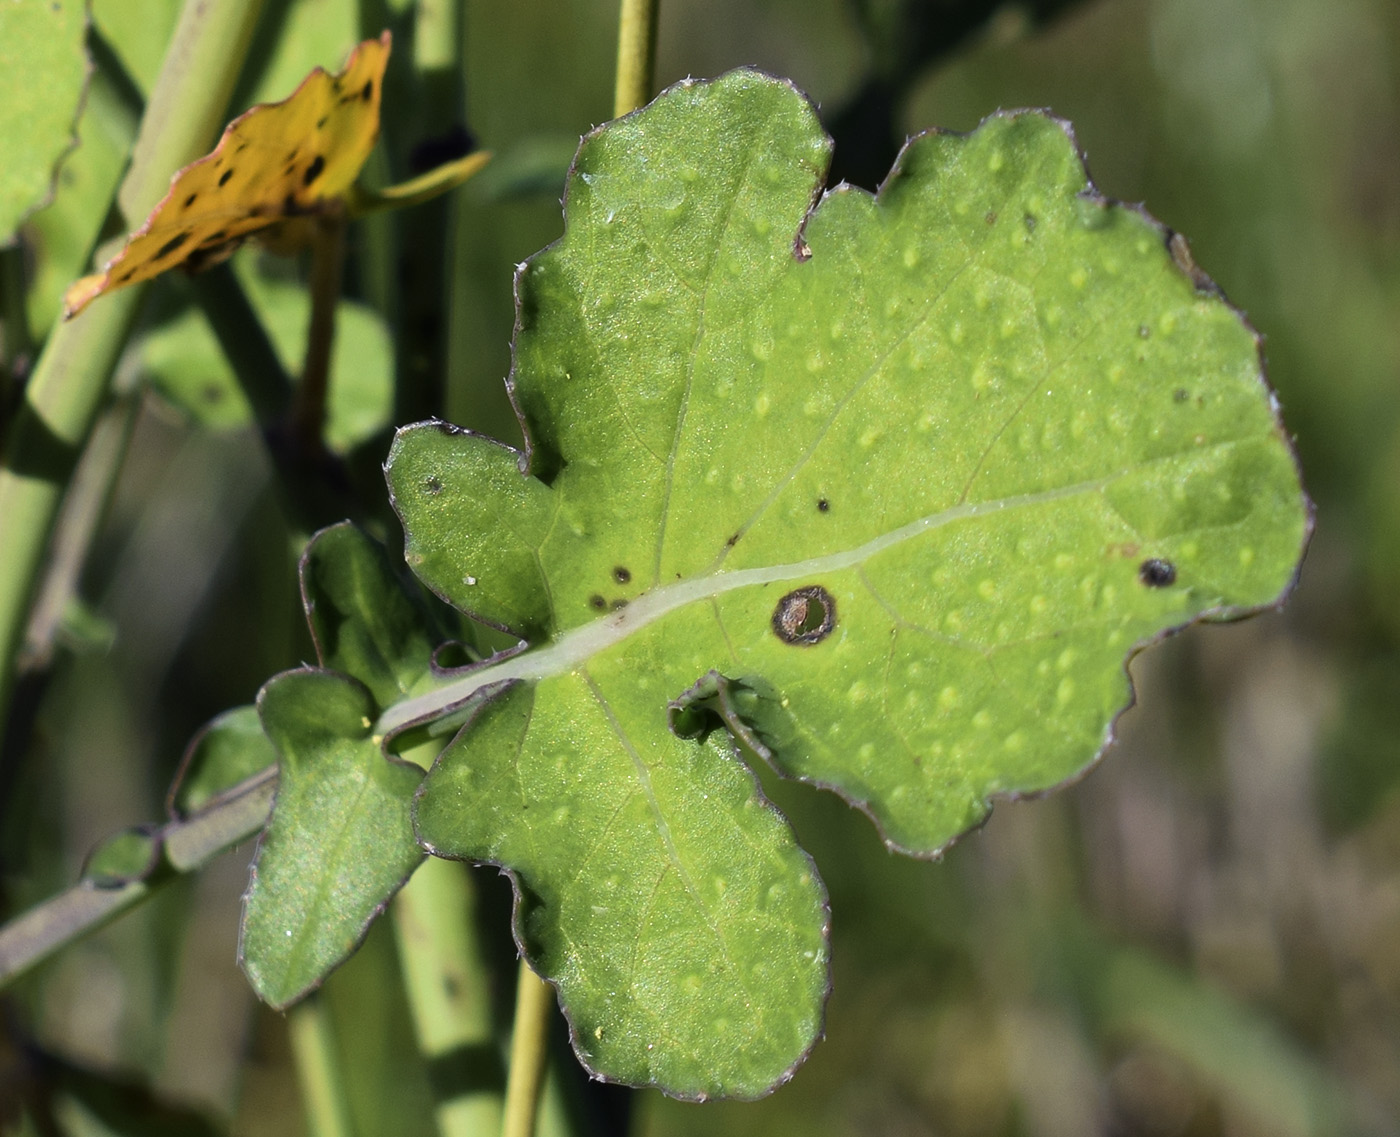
364, 620
340, 830
339, 843
43, 69
890, 485
228, 749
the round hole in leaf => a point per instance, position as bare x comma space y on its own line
805, 615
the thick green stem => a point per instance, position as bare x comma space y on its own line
529, 1053
445, 976
69, 383
636, 55
318, 1070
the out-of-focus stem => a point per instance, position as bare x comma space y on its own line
70, 381
529, 1053
318, 1070
448, 993
636, 55
327, 261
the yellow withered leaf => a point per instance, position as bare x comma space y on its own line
274, 162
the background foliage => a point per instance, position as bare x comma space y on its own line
1202, 937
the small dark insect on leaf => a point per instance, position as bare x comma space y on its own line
805, 615
622, 575
823, 505
1157, 573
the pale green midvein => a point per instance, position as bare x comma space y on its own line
578, 645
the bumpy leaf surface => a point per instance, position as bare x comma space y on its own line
275, 163
340, 842
890, 486
43, 69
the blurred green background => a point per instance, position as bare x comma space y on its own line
1201, 937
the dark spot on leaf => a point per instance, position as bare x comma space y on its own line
805, 615
1157, 573
622, 575
127, 275
171, 245
432, 485
321, 122
189, 201
734, 540
991, 217
1144, 331
313, 171
215, 237
596, 601
367, 92
212, 394
1029, 221
224, 177
823, 505
616, 604
801, 250
450, 986
1181, 394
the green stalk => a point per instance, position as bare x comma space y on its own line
318, 1069
529, 1052
636, 55
68, 385
235, 815
445, 977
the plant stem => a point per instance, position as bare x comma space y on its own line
636, 55
534, 1001
234, 816
445, 977
318, 1071
83, 510
327, 261
70, 380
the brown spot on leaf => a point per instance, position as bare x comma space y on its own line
171, 245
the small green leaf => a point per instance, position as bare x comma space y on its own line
132, 854
227, 750
43, 69
363, 618
339, 843
891, 486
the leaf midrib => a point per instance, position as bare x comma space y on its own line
578, 645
